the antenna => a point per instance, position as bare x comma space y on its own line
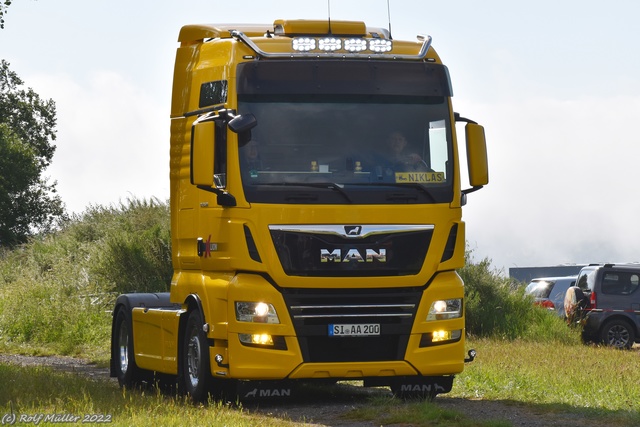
389, 18
329, 11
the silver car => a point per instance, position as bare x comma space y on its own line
549, 292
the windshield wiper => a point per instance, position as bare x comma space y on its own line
400, 196
330, 185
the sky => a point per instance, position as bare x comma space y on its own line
556, 84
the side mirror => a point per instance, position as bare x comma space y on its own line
202, 153
243, 123
476, 155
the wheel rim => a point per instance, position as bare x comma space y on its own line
123, 344
618, 336
193, 359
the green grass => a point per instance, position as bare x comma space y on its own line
40, 390
389, 410
597, 383
554, 376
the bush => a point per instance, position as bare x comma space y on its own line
57, 290
497, 308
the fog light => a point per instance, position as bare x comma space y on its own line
258, 339
440, 337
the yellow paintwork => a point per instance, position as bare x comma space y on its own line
477, 149
310, 27
156, 333
195, 214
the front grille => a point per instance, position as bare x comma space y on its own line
314, 310
320, 251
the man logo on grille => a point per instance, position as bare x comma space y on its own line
353, 230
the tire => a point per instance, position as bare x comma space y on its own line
617, 333
196, 367
574, 303
126, 369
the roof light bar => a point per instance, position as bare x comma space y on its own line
332, 44
241, 37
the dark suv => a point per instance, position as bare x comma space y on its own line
606, 302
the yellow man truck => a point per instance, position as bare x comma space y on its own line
315, 216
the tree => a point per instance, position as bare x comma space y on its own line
4, 5
28, 202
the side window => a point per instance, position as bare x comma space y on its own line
581, 282
620, 283
612, 284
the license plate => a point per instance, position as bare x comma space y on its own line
355, 330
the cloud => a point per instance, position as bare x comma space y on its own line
112, 141
563, 177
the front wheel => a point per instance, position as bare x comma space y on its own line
196, 366
617, 333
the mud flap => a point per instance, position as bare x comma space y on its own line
417, 387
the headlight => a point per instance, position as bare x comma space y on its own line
445, 309
256, 312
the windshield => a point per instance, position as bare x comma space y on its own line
539, 288
340, 145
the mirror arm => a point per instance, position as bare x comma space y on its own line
458, 118
471, 190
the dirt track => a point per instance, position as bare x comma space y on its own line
330, 410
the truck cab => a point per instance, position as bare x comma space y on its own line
316, 223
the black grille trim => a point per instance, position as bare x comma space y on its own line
313, 310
